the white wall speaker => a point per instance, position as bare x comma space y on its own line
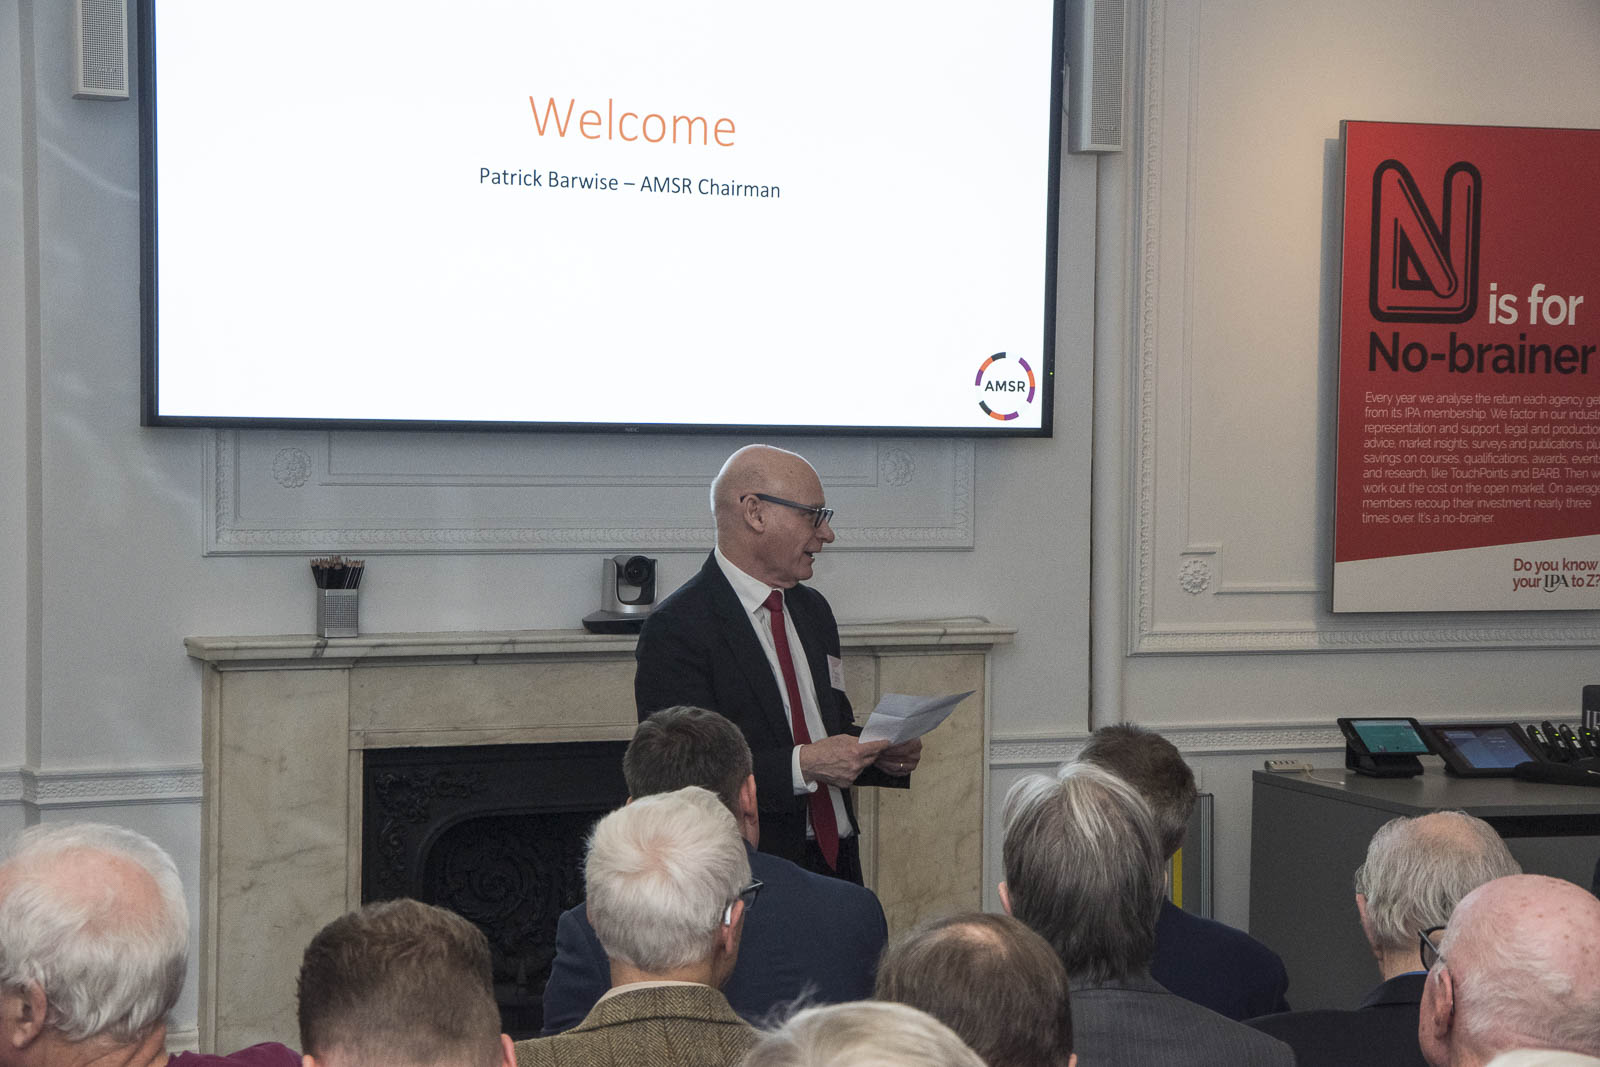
1096, 59
100, 50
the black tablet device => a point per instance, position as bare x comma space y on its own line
1384, 737
1482, 749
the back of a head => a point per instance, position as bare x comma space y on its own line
94, 916
660, 874
1153, 766
1084, 869
992, 980
1418, 869
1522, 961
685, 746
1543, 1058
863, 1033
399, 983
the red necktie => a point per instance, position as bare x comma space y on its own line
823, 823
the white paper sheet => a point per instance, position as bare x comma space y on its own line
899, 718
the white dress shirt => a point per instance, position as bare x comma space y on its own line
752, 593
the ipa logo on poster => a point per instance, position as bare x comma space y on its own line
1423, 270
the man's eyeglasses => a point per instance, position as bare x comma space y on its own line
818, 515
1426, 947
748, 894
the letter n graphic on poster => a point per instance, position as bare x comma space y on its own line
1423, 270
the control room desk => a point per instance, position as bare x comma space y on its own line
1308, 837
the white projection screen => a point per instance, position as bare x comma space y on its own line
707, 215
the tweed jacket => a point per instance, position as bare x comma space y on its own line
662, 1026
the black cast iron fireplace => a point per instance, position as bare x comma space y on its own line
495, 833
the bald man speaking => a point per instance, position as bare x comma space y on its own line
744, 638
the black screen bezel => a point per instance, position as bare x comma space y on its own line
1355, 741
150, 366
1460, 766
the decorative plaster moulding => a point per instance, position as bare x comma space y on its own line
1181, 601
101, 786
297, 493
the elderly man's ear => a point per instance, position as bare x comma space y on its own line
22, 1015
749, 813
1437, 1015
1366, 925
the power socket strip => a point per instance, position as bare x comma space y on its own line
1287, 766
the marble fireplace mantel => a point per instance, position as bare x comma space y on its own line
287, 718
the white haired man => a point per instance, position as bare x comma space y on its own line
1516, 969
863, 1034
667, 883
1084, 868
1416, 871
94, 944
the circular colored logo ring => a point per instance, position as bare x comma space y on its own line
978, 382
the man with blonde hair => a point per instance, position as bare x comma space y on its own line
94, 945
667, 885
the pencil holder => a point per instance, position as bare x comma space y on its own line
338, 612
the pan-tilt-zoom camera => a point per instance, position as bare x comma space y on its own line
627, 593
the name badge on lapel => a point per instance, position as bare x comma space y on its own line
836, 673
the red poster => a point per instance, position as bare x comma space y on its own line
1469, 370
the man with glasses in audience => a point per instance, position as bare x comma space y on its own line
667, 888
743, 637
1515, 969
782, 960
1416, 871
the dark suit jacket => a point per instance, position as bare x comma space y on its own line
1382, 1032
807, 935
1136, 1023
659, 1026
698, 647
1216, 966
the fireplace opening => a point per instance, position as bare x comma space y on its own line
495, 833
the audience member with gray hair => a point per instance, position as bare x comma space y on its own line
781, 958
1516, 969
996, 983
667, 884
1416, 871
1083, 866
868, 1033
1197, 958
94, 945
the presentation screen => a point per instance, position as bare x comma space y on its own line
622, 216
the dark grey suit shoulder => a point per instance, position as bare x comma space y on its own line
1382, 1032
1137, 1023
